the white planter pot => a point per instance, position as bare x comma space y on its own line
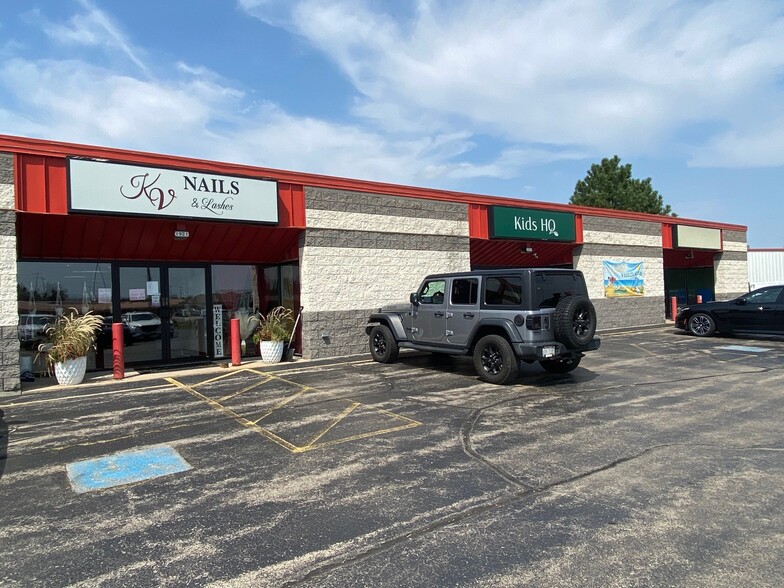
271, 351
70, 372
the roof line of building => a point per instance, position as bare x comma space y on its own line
41, 147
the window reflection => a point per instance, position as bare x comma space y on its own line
45, 290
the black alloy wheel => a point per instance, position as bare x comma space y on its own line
701, 325
383, 347
494, 360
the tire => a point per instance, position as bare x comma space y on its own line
702, 324
560, 366
383, 346
575, 321
494, 360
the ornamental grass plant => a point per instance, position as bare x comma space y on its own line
276, 325
71, 336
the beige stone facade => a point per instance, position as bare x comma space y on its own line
361, 251
608, 239
9, 342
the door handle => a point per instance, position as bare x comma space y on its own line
439, 314
468, 315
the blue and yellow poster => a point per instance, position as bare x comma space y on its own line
623, 278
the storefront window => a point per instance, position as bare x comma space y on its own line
271, 288
289, 280
235, 294
47, 290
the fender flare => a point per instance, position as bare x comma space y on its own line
392, 320
509, 328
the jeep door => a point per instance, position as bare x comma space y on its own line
462, 313
429, 317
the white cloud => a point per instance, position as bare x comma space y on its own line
607, 75
95, 28
74, 101
198, 116
748, 147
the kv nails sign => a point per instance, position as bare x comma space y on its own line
97, 186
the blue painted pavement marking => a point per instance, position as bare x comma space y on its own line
125, 467
745, 348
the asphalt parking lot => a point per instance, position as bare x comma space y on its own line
658, 462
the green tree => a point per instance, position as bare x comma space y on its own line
610, 185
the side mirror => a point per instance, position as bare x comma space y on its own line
741, 301
414, 298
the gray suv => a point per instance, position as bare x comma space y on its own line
500, 317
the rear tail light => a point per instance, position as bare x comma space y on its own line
533, 322
536, 322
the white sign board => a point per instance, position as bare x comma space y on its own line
97, 186
217, 329
685, 237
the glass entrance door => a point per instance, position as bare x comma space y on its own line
164, 310
187, 310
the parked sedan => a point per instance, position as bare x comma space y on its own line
32, 328
105, 337
760, 311
143, 325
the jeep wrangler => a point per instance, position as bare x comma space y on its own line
500, 317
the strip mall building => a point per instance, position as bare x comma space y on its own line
177, 247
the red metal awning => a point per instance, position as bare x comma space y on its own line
74, 236
512, 253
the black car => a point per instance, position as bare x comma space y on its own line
760, 311
105, 336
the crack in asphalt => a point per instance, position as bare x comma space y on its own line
523, 490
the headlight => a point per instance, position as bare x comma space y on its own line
133, 328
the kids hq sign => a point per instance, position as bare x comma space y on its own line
539, 225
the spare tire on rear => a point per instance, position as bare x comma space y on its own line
575, 321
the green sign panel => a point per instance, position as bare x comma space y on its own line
537, 225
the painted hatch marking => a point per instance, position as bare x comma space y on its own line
331, 430
125, 467
745, 348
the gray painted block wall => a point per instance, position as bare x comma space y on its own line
631, 240
9, 342
361, 251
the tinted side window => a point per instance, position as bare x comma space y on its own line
503, 291
464, 290
549, 288
432, 292
766, 296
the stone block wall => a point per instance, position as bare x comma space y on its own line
9, 342
361, 251
730, 267
610, 239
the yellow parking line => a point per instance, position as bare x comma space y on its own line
312, 443
641, 348
237, 417
112, 439
251, 387
280, 404
25, 402
410, 425
334, 422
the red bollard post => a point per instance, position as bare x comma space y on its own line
673, 307
236, 350
118, 351
699, 298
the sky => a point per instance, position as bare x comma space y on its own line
511, 98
